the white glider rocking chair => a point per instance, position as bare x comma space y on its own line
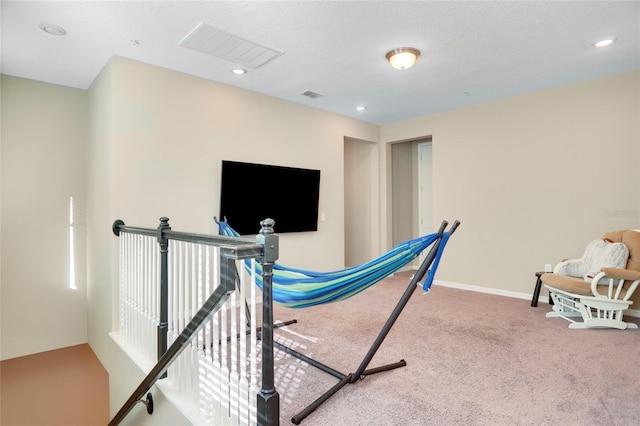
597, 287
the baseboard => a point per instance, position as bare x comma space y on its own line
517, 295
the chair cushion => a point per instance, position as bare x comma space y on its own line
599, 253
563, 282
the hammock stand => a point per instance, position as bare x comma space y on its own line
437, 247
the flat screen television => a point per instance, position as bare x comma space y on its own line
251, 192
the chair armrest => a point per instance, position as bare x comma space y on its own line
621, 274
616, 283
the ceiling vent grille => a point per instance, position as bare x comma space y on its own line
310, 94
213, 41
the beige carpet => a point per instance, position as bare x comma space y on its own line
472, 359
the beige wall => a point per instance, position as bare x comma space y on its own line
360, 201
532, 178
171, 131
44, 135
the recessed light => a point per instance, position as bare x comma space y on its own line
361, 108
239, 71
53, 29
604, 43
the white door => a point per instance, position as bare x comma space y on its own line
425, 189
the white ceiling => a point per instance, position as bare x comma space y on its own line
472, 52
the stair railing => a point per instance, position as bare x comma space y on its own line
144, 269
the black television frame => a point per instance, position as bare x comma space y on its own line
252, 192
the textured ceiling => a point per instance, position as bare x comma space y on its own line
472, 52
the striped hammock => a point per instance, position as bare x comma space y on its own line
299, 288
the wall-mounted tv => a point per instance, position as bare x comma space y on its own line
251, 192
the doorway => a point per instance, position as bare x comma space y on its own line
411, 189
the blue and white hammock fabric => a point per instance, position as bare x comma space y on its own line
299, 288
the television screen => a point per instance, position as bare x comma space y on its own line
251, 192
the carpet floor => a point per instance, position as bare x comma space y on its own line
472, 359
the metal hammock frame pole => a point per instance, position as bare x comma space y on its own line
265, 248
361, 372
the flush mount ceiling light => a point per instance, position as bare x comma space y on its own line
53, 29
239, 71
361, 108
604, 43
402, 57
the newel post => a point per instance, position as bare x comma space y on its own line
163, 325
268, 398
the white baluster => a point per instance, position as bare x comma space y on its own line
233, 375
181, 285
207, 404
174, 286
217, 363
224, 362
134, 295
254, 389
199, 338
148, 285
154, 304
124, 270
185, 377
129, 289
243, 385
154, 299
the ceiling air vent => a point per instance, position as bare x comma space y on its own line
310, 94
213, 41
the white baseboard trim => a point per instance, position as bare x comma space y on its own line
517, 295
